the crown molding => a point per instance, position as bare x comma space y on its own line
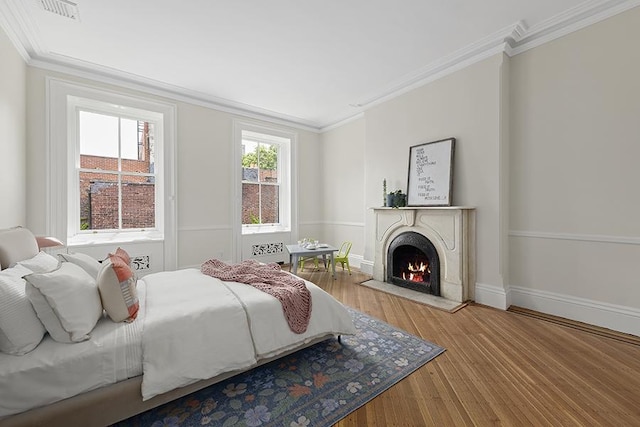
574, 19
21, 23
99, 73
12, 21
512, 40
342, 122
475, 52
16, 20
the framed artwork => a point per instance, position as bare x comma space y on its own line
431, 173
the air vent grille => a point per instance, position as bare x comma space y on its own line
61, 7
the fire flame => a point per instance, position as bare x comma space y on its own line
416, 272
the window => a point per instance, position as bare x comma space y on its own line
266, 180
116, 173
111, 168
115, 186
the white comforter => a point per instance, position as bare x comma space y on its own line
197, 326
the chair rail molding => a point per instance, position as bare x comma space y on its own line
197, 228
344, 223
597, 238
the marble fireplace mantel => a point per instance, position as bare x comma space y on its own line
451, 229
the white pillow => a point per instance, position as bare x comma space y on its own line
18, 271
66, 301
88, 263
41, 263
16, 244
20, 329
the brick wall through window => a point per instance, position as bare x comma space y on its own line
99, 194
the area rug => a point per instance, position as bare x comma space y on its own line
317, 386
420, 297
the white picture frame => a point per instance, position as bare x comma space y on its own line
431, 173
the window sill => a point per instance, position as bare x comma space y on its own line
264, 230
114, 238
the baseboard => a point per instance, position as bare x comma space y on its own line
356, 261
596, 330
493, 296
366, 266
616, 317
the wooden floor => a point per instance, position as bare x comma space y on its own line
500, 368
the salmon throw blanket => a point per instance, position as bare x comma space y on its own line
289, 290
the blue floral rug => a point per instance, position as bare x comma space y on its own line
317, 386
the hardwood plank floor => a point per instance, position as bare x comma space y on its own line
500, 368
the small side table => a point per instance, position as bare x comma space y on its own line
297, 251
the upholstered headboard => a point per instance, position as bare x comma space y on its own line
16, 244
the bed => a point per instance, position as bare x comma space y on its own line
189, 330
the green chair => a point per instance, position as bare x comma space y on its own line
342, 256
302, 260
309, 258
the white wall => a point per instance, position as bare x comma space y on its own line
547, 150
310, 186
547, 147
343, 177
205, 189
204, 176
12, 135
465, 105
575, 145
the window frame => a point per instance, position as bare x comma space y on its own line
283, 145
75, 233
286, 141
63, 146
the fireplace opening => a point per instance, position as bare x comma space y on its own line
413, 262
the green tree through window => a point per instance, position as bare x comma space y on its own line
267, 157
260, 182
264, 166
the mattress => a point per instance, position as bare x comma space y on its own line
55, 371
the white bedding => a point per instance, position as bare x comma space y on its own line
179, 350
269, 328
54, 371
190, 327
195, 328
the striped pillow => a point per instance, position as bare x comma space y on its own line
117, 286
20, 329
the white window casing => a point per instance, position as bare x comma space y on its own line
64, 100
287, 142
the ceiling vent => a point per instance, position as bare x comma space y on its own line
61, 7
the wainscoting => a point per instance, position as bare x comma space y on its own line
589, 278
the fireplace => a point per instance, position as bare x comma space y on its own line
413, 263
444, 236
